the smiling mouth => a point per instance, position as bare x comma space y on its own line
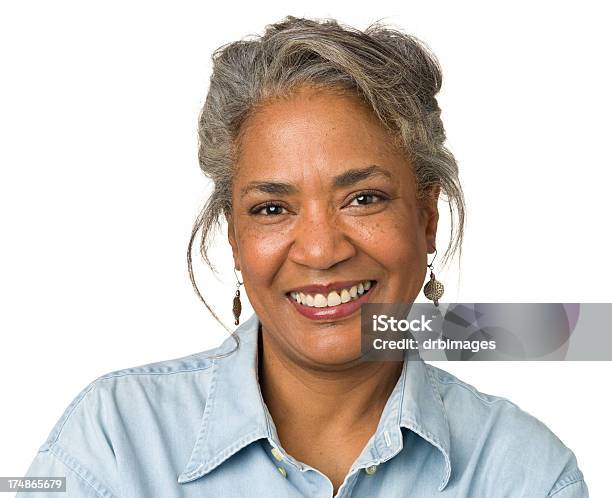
333, 298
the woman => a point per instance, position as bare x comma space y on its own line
326, 150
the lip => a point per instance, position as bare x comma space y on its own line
327, 288
332, 312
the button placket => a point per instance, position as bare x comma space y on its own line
371, 469
277, 454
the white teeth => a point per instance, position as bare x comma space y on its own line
334, 298
320, 301
345, 297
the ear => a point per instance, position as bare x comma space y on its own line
430, 216
231, 237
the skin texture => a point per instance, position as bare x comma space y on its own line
325, 401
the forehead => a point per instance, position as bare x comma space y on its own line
313, 129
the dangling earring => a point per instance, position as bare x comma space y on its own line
237, 305
433, 289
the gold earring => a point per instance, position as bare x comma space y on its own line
237, 305
433, 289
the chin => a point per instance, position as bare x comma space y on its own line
331, 345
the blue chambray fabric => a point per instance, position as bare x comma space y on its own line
198, 427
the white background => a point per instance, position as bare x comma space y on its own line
99, 187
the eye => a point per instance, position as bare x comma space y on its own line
268, 209
367, 197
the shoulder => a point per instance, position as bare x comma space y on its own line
490, 428
122, 408
468, 407
127, 387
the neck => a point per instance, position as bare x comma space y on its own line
317, 402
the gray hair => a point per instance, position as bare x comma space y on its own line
394, 73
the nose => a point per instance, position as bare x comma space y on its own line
319, 242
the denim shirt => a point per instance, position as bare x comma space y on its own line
198, 427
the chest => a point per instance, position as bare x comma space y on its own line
332, 456
253, 471
332, 461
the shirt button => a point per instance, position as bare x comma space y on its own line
282, 471
277, 454
370, 469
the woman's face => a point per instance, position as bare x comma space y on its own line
323, 208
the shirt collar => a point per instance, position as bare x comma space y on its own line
235, 414
420, 410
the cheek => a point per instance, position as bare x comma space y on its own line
262, 252
394, 240
403, 254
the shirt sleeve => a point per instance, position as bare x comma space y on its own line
79, 482
80, 447
570, 485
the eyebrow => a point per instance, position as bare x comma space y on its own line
346, 179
